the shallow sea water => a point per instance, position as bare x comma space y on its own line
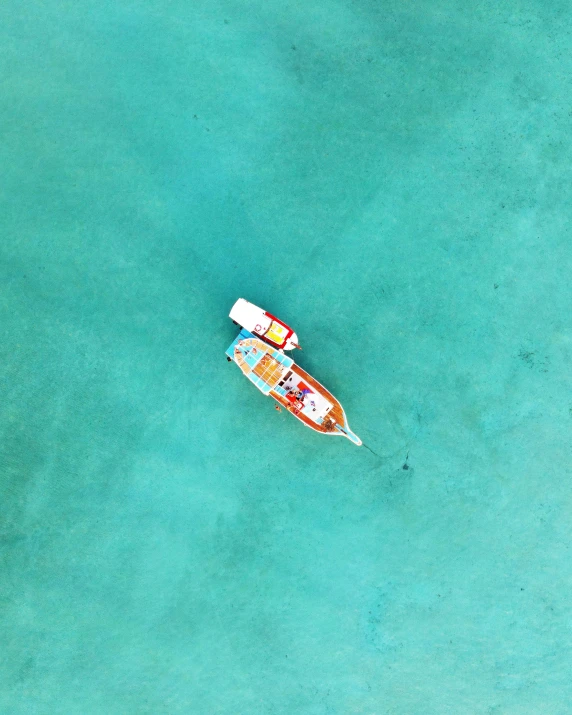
393, 179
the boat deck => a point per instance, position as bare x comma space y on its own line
336, 414
269, 370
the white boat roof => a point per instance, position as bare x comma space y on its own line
249, 316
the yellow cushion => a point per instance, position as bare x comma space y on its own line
276, 332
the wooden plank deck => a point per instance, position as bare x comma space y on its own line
269, 370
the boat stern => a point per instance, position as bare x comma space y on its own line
243, 335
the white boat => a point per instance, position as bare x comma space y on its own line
263, 325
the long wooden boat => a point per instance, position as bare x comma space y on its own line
276, 375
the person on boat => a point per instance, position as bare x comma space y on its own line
296, 399
291, 396
298, 394
329, 424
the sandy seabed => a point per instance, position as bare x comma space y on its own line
394, 181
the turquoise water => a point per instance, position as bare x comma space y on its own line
392, 179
